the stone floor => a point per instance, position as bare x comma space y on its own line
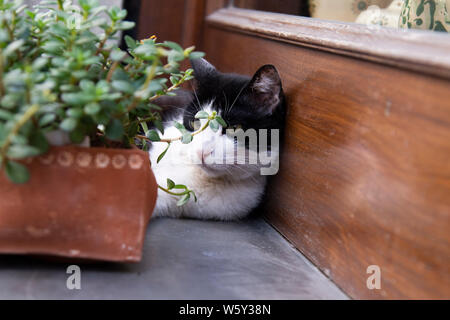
183, 259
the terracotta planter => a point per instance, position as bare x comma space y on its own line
81, 203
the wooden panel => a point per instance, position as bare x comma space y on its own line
423, 51
161, 18
365, 172
214, 5
173, 20
194, 18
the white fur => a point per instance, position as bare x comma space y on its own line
224, 191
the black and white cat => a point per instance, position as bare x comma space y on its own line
225, 189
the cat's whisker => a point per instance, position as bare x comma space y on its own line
237, 97
244, 171
196, 97
227, 105
184, 109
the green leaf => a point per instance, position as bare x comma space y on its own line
77, 136
79, 98
158, 124
180, 187
39, 141
143, 125
39, 63
12, 47
16, 172
53, 47
161, 156
47, 119
202, 115
92, 108
87, 85
170, 184
115, 130
117, 55
69, 124
123, 86
131, 43
196, 55
75, 113
9, 101
186, 138
132, 130
153, 136
174, 46
214, 125
179, 126
184, 200
221, 121
175, 56
125, 25
5, 115
22, 152
173, 80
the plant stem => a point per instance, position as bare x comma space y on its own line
153, 118
173, 193
179, 138
102, 44
114, 67
24, 119
111, 71
172, 88
10, 32
2, 86
148, 80
156, 96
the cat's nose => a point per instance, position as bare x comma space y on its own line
203, 154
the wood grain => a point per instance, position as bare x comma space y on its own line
365, 171
163, 19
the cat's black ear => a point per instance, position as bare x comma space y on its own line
203, 70
265, 88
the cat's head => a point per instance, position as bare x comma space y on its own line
248, 105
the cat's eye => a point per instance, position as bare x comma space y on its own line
195, 124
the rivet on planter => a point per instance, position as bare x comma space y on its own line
65, 158
119, 161
102, 161
84, 159
135, 162
47, 159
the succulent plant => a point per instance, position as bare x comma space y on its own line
61, 69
